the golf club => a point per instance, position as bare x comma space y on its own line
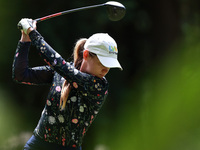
115, 11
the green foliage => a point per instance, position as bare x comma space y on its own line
168, 114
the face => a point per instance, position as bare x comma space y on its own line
92, 65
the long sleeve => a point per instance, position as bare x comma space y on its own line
75, 77
21, 71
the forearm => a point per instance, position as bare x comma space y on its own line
20, 62
50, 56
21, 71
56, 62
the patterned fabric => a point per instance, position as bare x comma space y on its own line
86, 97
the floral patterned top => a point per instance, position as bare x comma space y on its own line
87, 94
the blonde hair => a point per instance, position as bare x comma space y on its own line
78, 58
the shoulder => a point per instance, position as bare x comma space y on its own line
98, 84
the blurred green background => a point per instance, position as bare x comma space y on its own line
153, 104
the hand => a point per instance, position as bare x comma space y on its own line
27, 25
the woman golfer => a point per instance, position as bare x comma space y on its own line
78, 89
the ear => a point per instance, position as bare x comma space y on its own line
85, 54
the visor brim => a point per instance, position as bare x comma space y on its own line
109, 62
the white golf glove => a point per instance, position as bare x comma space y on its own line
25, 23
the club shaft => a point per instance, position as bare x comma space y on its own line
67, 12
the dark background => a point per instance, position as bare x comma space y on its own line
153, 104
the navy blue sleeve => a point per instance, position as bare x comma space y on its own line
75, 77
25, 75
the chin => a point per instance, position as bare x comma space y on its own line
101, 76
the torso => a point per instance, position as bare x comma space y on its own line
69, 126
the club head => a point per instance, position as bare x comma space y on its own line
115, 10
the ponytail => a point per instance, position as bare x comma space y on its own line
78, 58
78, 52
